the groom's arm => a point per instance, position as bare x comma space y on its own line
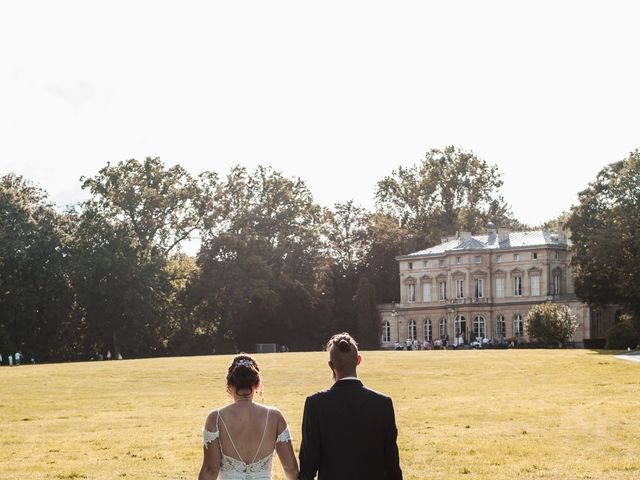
392, 457
310, 444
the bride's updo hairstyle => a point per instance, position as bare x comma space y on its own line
244, 373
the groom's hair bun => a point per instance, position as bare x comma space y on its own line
343, 341
343, 352
244, 372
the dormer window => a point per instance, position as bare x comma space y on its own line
516, 257
477, 259
410, 265
458, 260
498, 258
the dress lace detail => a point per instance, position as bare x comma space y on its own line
285, 436
209, 437
234, 469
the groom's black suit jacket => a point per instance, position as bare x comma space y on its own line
349, 433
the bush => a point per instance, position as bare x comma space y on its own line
551, 324
622, 335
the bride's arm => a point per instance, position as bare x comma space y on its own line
212, 458
284, 449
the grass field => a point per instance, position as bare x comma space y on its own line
470, 414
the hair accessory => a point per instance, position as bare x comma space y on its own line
245, 363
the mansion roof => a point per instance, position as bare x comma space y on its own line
534, 238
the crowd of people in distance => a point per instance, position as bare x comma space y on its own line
442, 343
99, 356
15, 360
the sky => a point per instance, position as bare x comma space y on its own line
338, 93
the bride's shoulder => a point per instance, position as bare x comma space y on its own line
274, 412
211, 420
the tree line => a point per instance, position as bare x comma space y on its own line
273, 266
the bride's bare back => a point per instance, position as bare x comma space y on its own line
239, 439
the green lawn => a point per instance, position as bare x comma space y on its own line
470, 414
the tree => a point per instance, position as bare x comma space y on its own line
347, 244
606, 244
368, 319
550, 323
262, 264
122, 299
131, 228
163, 206
450, 190
622, 334
36, 298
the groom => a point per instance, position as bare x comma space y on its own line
348, 432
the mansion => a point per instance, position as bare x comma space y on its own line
472, 287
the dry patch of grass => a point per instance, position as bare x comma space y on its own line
471, 414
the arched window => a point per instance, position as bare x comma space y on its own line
386, 331
501, 327
428, 330
443, 327
413, 331
518, 327
479, 330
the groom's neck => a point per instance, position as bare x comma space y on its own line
340, 376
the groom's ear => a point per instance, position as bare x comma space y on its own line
330, 363
359, 360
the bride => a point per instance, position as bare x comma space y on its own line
239, 439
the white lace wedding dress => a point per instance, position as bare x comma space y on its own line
236, 468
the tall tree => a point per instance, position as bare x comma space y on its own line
36, 299
386, 240
163, 206
606, 245
262, 267
121, 297
450, 190
137, 218
368, 319
347, 246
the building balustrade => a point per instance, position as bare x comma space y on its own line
481, 300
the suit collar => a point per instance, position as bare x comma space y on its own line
347, 383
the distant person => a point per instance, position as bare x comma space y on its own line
119, 356
108, 355
348, 432
0, 359
240, 438
18, 358
10, 360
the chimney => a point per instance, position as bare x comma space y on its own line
491, 232
503, 234
560, 230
